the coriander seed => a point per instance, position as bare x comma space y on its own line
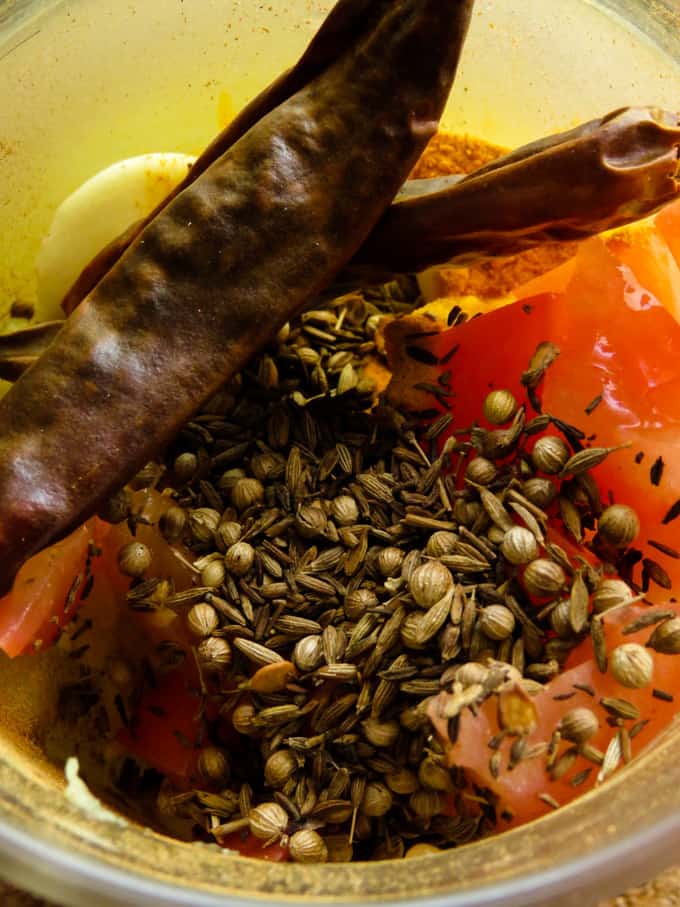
631, 665
185, 467
239, 558
496, 622
434, 776
610, 593
440, 543
543, 578
247, 493
481, 471
377, 799
279, 768
172, 523
499, 406
310, 521
344, 510
578, 725
212, 764
380, 733
422, 849
203, 522
540, 491
202, 619
666, 637
213, 573
426, 803
550, 453
618, 525
214, 653
358, 602
268, 821
134, 559
389, 561
227, 534
429, 583
307, 846
519, 546
308, 653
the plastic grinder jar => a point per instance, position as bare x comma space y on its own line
84, 84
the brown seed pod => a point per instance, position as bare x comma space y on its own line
272, 678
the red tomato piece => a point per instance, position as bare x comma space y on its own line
518, 789
617, 342
249, 846
35, 609
165, 732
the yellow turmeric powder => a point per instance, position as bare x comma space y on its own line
495, 277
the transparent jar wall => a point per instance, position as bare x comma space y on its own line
88, 83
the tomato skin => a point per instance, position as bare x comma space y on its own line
248, 845
166, 727
35, 607
519, 788
611, 314
617, 344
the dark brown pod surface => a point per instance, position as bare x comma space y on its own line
216, 273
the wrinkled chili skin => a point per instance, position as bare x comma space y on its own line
600, 175
210, 279
344, 24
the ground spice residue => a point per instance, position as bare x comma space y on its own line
495, 277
